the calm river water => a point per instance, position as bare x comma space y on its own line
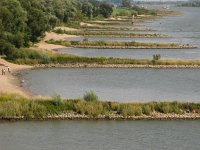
100, 135
183, 29
117, 84
120, 85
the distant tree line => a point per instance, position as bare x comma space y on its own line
191, 3
24, 21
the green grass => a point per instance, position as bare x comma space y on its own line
106, 44
34, 57
110, 28
108, 34
135, 10
16, 106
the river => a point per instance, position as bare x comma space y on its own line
116, 84
184, 29
100, 135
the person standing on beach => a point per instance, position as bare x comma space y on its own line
2, 72
8, 69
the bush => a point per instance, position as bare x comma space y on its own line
90, 108
146, 109
90, 96
130, 110
56, 100
156, 57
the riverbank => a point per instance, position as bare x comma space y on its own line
42, 45
119, 45
10, 82
96, 65
75, 116
110, 34
15, 107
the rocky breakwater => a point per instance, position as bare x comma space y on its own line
96, 65
112, 116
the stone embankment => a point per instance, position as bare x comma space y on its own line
75, 116
137, 47
94, 65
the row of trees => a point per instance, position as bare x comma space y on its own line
24, 21
191, 3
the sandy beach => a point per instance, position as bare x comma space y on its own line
42, 45
9, 83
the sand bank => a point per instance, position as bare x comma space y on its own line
9, 83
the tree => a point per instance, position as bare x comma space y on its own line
126, 3
105, 9
87, 9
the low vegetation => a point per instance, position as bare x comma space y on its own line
90, 96
13, 106
108, 34
123, 45
134, 10
110, 28
34, 57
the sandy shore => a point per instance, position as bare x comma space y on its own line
42, 45
9, 83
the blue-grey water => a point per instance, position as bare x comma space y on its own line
100, 135
135, 53
182, 29
117, 84
120, 85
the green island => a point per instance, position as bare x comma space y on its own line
110, 28
121, 45
50, 59
109, 34
15, 107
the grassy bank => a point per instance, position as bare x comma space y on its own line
34, 57
110, 28
15, 106
119, 45
109, 34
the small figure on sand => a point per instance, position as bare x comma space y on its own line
8, 69
3, 72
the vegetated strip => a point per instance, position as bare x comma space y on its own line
49, 59
15, 107
119, 45
110, 28
110, 34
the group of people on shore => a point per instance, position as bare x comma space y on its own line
3, 71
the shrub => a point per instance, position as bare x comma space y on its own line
156, 57
90, 96
90, 108
56, 100
146, 109
130, 110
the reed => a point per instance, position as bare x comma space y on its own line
109, 34
12, 105
119, 45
